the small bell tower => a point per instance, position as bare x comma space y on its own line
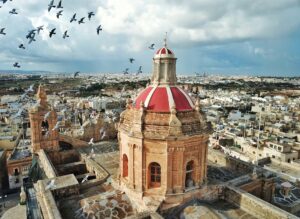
43, 119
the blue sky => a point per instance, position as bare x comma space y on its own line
219, 37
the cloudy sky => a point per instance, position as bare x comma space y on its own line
258, 37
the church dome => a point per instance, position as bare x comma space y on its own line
163, 98
164, 52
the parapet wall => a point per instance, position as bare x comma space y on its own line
250, 203
220, 158
46, 164
76, 143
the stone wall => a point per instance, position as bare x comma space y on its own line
220, 158
46, 202
250, 203
94, 167
46, 164
63, 157
76, 143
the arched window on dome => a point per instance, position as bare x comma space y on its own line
155, 175
45, 127
125, 165
189, 174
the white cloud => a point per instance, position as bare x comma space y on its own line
130, 26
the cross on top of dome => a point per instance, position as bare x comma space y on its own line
165, 52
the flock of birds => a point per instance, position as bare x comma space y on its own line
31, 35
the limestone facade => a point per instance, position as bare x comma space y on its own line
162, 136
43, 120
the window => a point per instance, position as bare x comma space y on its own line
189, 182
155, 174
16, 172
125, 165
45, 127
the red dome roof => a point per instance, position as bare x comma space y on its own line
161, 99
164, 51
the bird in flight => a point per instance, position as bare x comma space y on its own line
131, 60
52, 32
76, 74
13, 11
21, 46
81, 21
31, 38
59, 13
30, 34
73, 18
16, 65
2, 31
65, 34
51, 5
56, 126
90, 14
99, 28
126, 71
91, 142
47, 115
139, 70
50, 185
30, 89
39, 29
59, 5
151, 46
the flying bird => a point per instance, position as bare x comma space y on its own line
16, 65
21, 46
139, 70
73, 18
131, 60
81, 21
39, 29
59, 13
99, 28
31, 33
31, 38
51, 5
90, 14
85, 178
47, 115
50, 185
91, 142
151, 46
30, 89
56, 126
2, 31
52, 32
104, 135
76, 74
59, 5
65, 34
126, 71
13, 11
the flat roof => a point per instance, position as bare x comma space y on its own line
62, 181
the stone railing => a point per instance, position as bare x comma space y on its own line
46, 164
249, 203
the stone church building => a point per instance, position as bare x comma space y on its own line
163, 137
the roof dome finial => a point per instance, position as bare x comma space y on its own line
165, 40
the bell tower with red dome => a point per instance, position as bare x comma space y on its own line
163, 138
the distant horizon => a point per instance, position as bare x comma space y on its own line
207, 74
247, 37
